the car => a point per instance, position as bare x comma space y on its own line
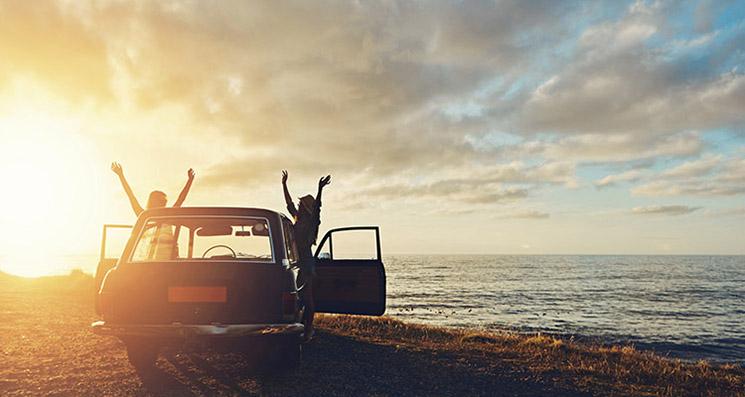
227, 279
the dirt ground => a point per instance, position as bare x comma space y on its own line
46, 348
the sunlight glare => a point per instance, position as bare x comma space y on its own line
49, 188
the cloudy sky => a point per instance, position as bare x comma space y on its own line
459, 127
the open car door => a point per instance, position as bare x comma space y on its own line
107, 261
350, 274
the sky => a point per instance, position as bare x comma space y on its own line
477, 127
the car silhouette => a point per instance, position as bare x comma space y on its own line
226, 279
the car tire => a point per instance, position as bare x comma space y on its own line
142, 354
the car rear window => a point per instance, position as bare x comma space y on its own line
204, 238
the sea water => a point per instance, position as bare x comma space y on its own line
691, 307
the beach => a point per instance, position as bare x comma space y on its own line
48, 349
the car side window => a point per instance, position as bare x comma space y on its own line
290, 247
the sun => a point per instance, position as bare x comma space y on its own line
47, 188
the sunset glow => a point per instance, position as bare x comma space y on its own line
51, 193
310, 198
507, 139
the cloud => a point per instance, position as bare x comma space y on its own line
729, 212
413, 92
499, 196
672, 210
43, 42
448, 189
695, 168
610, 180
440, 199
693, 188
620, 80
360, 86
495, 184
607, 148
530, 214
623, 147
710, 176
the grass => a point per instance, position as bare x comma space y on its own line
594, 368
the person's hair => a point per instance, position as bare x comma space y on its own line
306, 204
156, 199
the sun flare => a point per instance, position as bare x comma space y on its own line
49, 189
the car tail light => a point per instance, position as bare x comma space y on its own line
289, 302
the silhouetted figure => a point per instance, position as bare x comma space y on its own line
162, 241
157, 198
307, 216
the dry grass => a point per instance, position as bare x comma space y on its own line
47, 349
598, 369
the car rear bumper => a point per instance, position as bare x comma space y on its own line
177, 330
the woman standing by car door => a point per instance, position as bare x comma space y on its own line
307, 218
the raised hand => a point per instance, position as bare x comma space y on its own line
182, 196
117, 168
284, 176
326, 180
136, 207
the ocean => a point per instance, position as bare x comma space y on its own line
688, 307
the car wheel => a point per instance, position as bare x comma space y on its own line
142, 354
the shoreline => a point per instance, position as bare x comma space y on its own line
78, 279
570, 362
667, 349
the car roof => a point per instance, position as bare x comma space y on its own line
235, 211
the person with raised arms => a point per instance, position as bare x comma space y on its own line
307, 219
162, 242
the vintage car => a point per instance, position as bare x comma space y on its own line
226, 278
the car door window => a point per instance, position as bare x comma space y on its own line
351, 245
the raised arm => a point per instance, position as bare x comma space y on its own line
326, 180
288, 199
136, 207
316, 220
185, 190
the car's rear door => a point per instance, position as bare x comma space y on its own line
350, 272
